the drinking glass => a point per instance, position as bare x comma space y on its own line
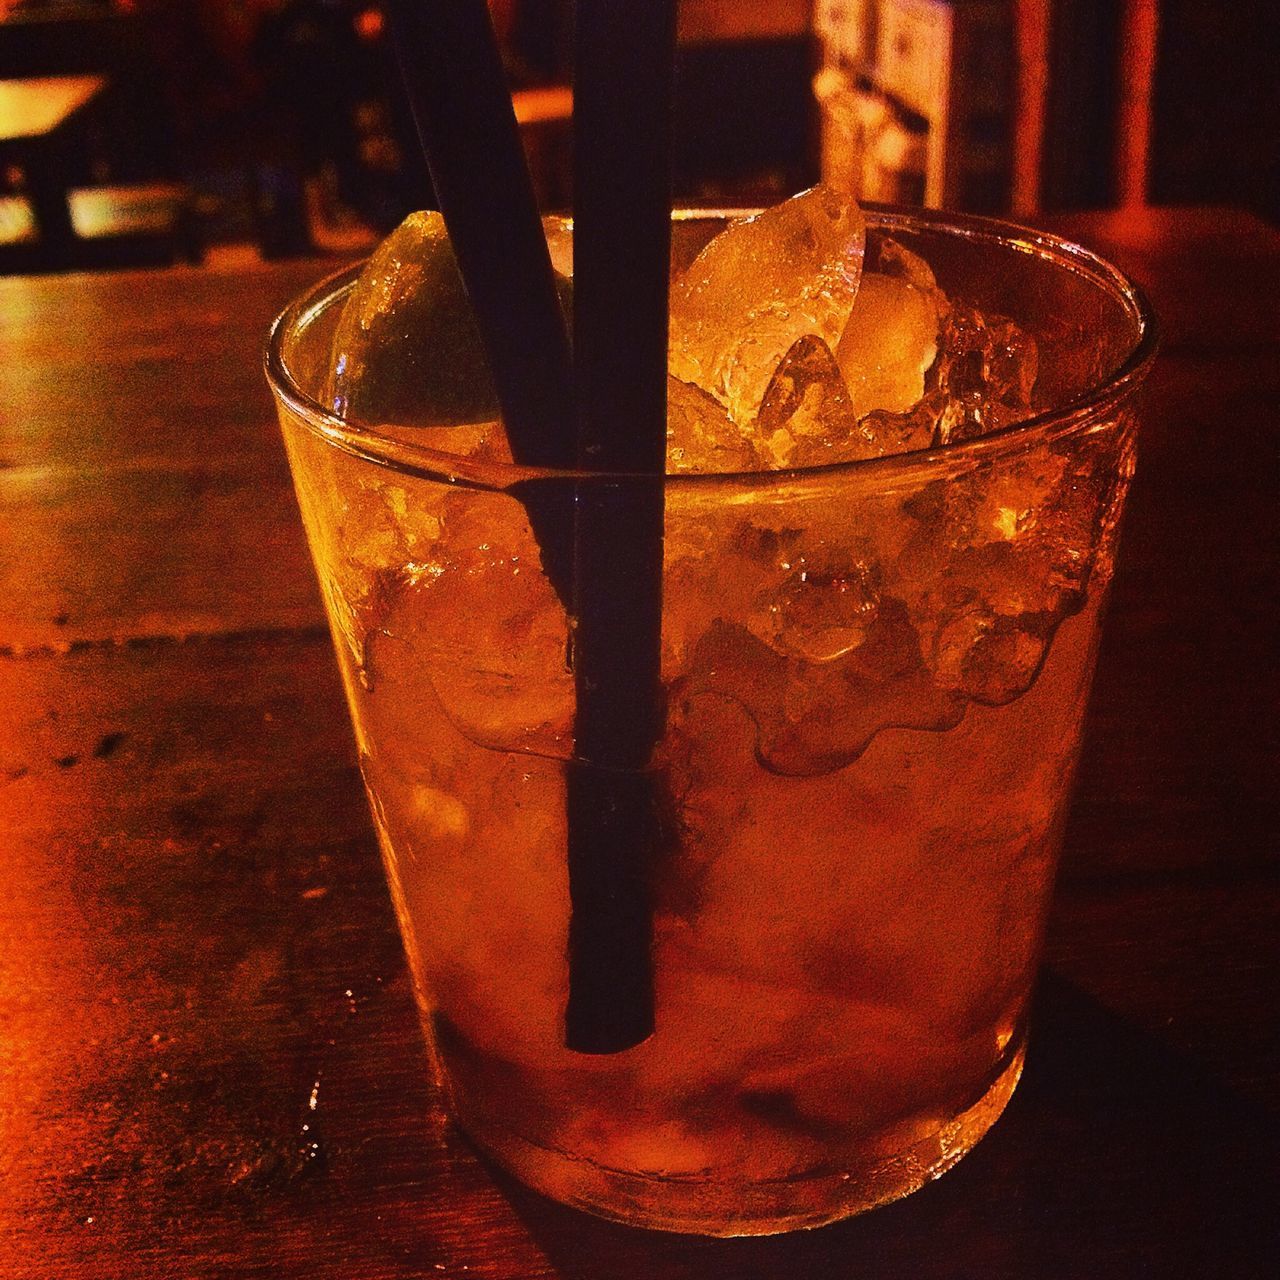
875, 678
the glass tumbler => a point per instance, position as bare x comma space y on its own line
875, 676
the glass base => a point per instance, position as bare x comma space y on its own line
713, 1207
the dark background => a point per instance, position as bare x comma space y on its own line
247, 101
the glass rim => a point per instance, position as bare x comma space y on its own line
366, 441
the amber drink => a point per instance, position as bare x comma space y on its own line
899, 445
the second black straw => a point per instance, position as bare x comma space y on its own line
621, 248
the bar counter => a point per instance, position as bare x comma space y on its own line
210, 1062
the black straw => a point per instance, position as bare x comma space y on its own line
621, 250
606, 563
461, 104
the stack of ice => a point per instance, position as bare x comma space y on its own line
796, 340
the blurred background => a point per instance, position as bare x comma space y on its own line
135, 132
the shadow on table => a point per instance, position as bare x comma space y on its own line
1115, 1158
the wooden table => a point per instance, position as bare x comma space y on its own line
210, 1063
35, 118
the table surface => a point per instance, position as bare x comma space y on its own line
210, 1064
37, 107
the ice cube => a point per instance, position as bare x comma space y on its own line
811, 717
715, 565
376, 529
904, 432
1001, 556
868, 399
487, 629
990, 657
1077, 521
701, 437
806, 417
758, 286
987, 369
891, 338
475, 882
894, 259
822, 611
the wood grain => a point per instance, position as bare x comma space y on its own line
143, 486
